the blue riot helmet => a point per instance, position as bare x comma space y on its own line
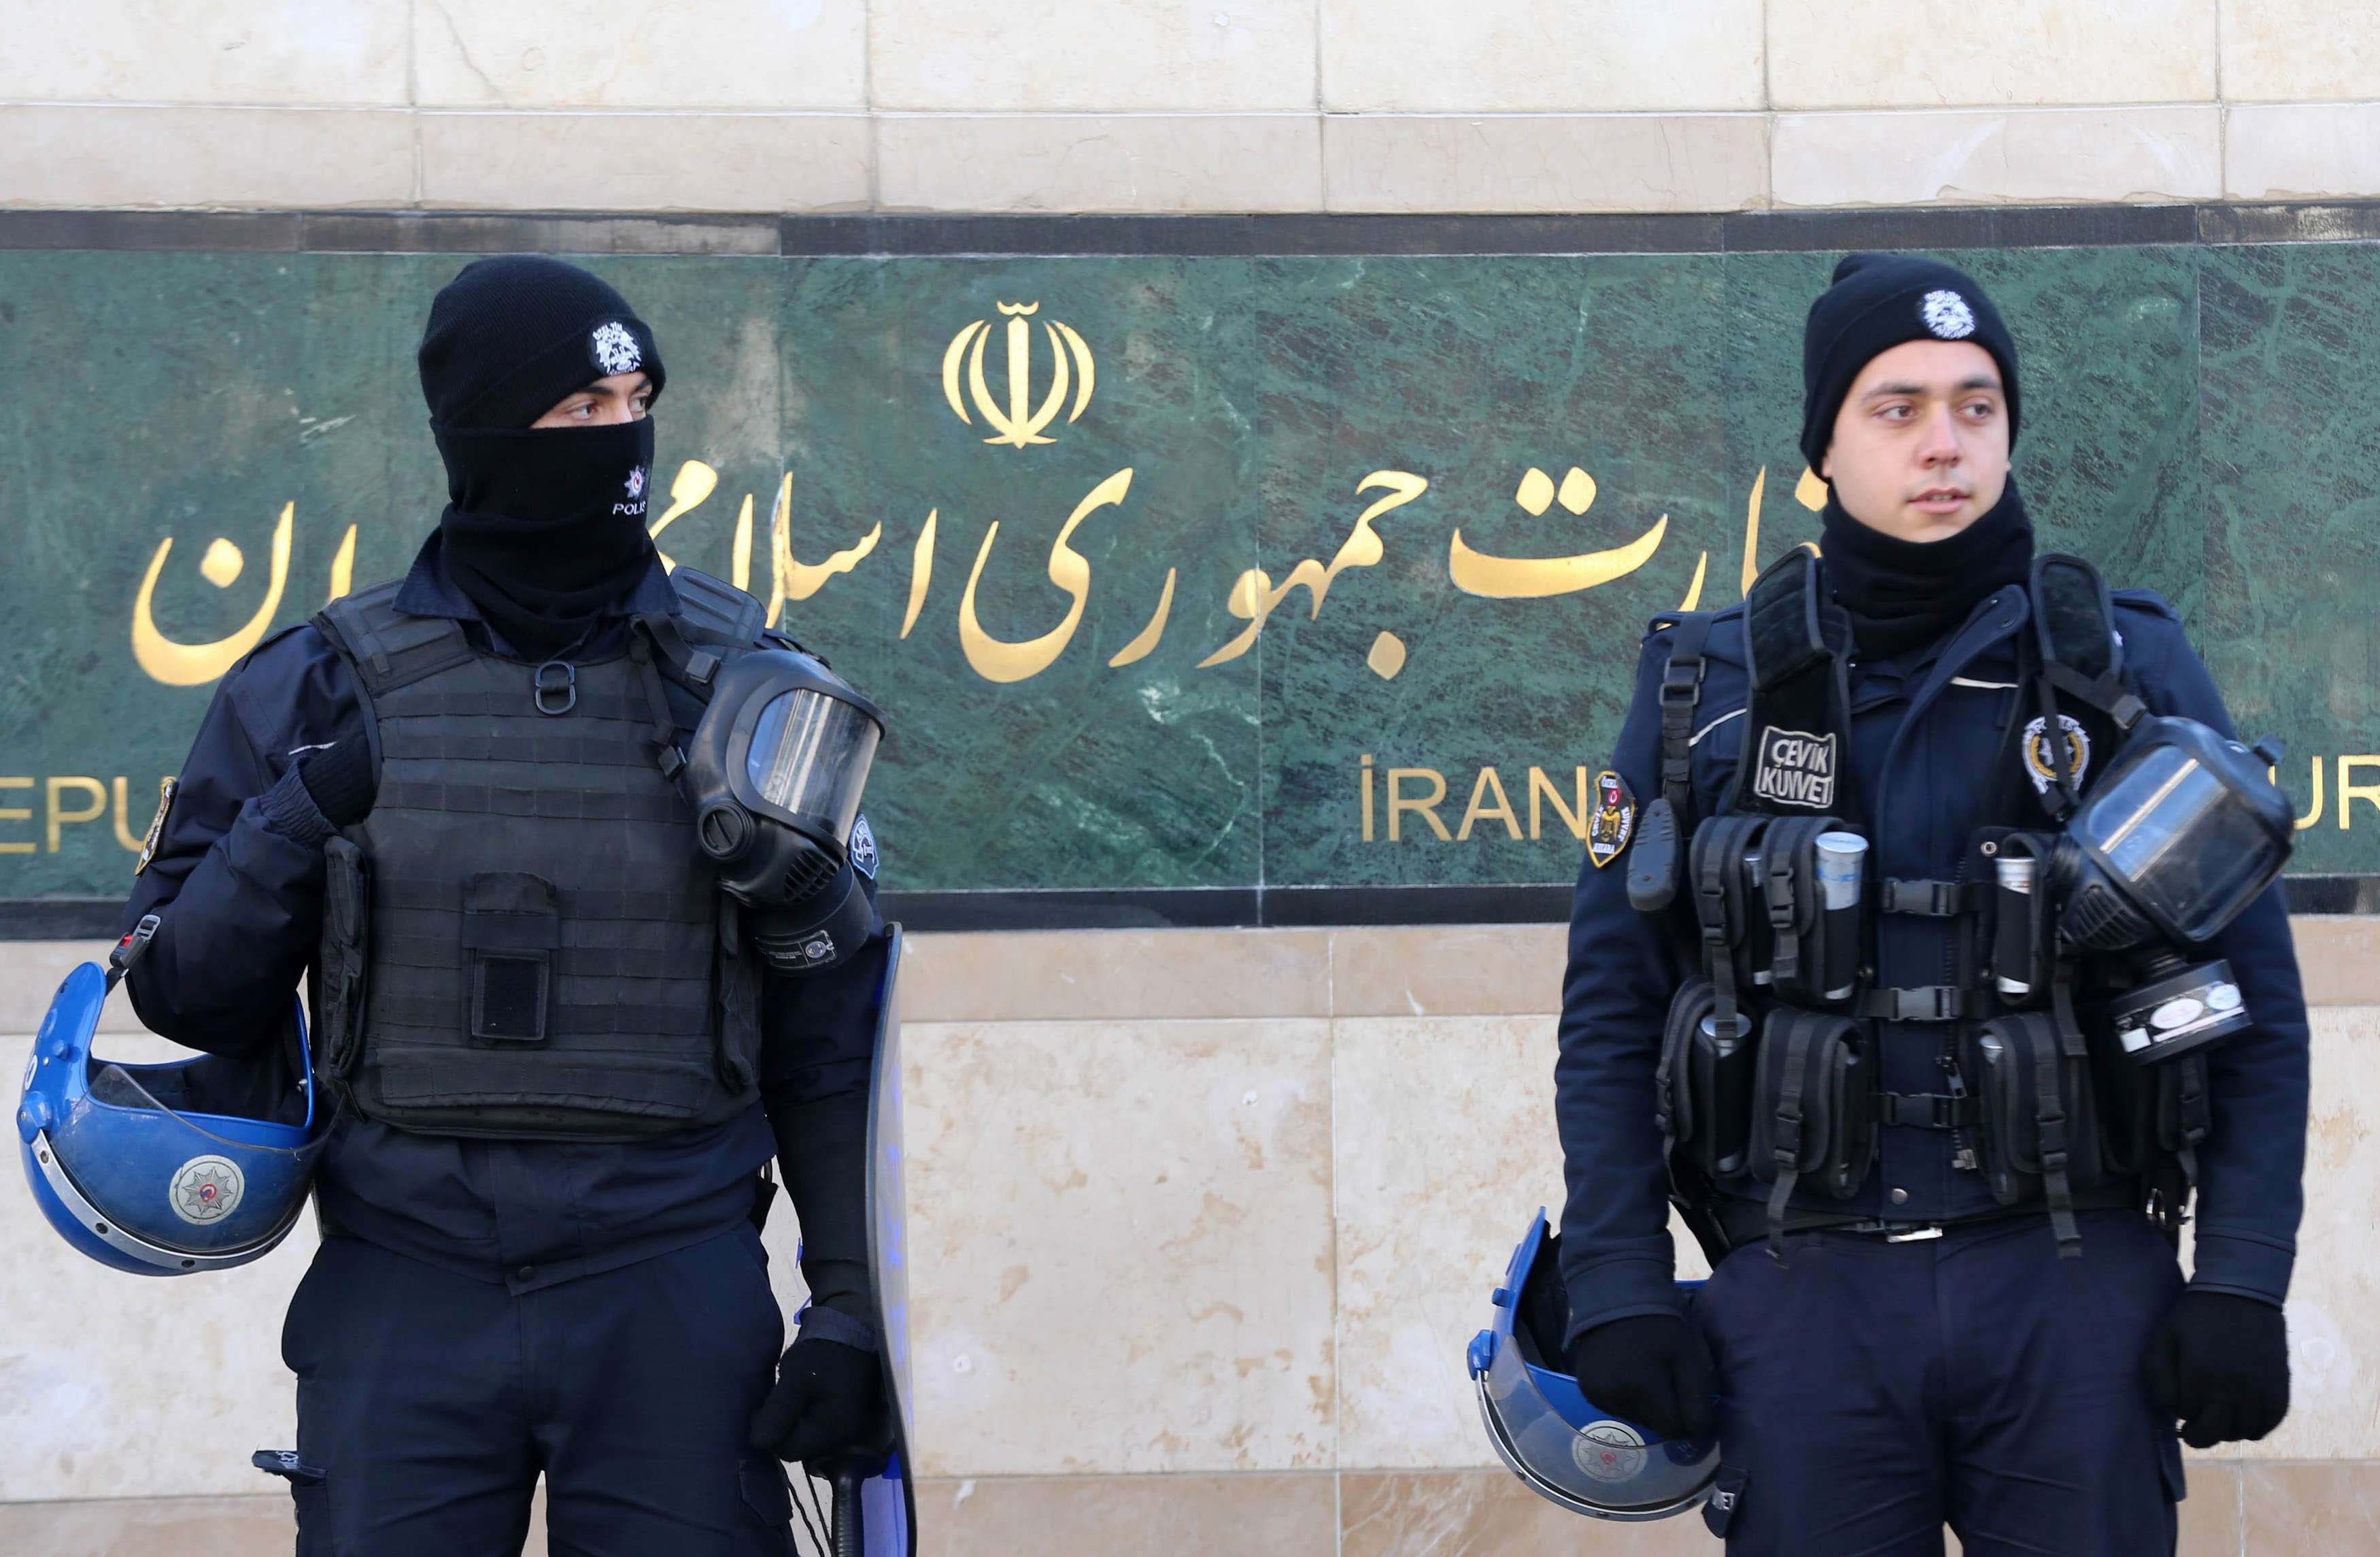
1553, 1438
775, 772
167, 1169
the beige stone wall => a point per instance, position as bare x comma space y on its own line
1200, 1224
1164, 105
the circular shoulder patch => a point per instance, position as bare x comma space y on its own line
206, 1189
1946, 315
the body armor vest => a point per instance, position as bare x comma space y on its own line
522, 940
1768, 1072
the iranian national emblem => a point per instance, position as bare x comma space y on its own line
616, 350
2041, 759
1946, 315
1608, 1451
1795, 767
1615, 819
206, 1189
1019, 423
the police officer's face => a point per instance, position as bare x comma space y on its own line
620, 398
1921, 447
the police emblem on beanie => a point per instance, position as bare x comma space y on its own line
616, 350
1946, 315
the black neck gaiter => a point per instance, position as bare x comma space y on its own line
545, 527
1904, 594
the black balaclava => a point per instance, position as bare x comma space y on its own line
1902, 594
544, 527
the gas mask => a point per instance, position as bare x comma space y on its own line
775, 771
2182, 833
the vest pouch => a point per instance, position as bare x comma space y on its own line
340, 964
2041, 1133
2013, 932
1721, 867
1706, 1082
1813, 1112
1810, 950
512, 930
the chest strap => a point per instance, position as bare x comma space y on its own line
1681, 690
1926, 1002
1932, 900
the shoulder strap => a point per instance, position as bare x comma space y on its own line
2074, 628
1797, 717
712, 611
387, 648
1681, 690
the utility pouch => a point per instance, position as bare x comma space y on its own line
1706, 1080
1734, 931
1811, 949
512, 930
2040, 1127
347, 935
2013, 934
1814, 1109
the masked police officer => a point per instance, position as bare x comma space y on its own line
1894, 975
562, 1058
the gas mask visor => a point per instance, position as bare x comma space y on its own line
2177, 840
775, 772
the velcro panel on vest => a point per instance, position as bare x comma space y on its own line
388, 648
713, 611
1795, 721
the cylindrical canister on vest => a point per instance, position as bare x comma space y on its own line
1842, 861
1727, 1107
1756, 927
2012, 942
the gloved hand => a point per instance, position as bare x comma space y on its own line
1653, 1370
340, 781
2221, 1363
829, 1400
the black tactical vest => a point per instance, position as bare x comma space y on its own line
522, 940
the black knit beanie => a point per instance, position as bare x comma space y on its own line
512, 336
1879, 301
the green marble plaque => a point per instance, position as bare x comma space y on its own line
1293, 537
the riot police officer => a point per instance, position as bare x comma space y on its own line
562, 1058
1873, 982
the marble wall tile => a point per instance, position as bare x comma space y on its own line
241, 158
212, 1527
645, 161
2338, 956
1121, 1235
1933, 53
642, 53
30, 972
1540, 56
1092, 56
1489, 1513
2299, 151
1913, 158
2312, 1509
2298, 51
1117, 974
1433, 970
2333, 1308
1544, 163
213, 51
1290, 1516
1142, 163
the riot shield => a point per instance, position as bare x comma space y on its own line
887, 1502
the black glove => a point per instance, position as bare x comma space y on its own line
340, 781
2221, 1363
829, 1400
1653, 1370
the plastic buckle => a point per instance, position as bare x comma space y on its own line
548, 686
1927, 899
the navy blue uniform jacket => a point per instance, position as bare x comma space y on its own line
237, 880
1926, 730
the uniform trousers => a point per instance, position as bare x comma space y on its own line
1872, 1393
431, 1403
